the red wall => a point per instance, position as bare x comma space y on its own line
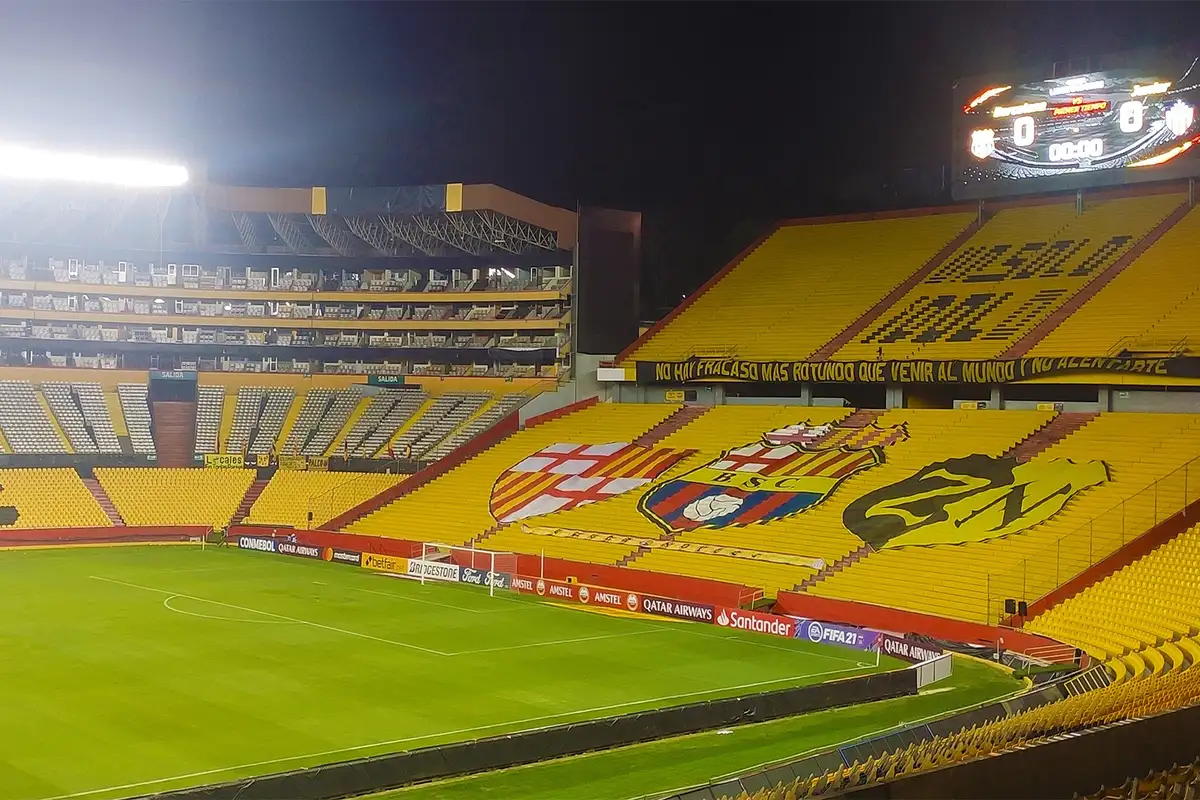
900, 621
108, 534
380, 545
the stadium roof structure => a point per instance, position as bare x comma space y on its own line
444, 220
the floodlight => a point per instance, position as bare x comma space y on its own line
28, 163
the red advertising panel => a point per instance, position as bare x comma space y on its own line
743, 620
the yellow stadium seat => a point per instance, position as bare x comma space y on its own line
176, 496
291, 496
49, 498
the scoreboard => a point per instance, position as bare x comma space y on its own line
1133, 122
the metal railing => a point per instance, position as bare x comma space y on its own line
1043, 571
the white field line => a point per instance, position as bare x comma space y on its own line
652, 701
343, 631
167, 605
757, 643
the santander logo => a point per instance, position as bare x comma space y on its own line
722, 618
753, 621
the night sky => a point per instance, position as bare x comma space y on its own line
712, 118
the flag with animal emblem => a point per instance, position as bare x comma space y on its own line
563, 476
788, 471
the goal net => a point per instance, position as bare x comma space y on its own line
486, 568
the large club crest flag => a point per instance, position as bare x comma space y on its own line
788, 471
563, 476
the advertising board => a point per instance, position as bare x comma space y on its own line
223, 460
679, 609
260, 543
339, 556
481, 577
830, 633
295, 549
907, 650
433, 570
385, 563
743, 620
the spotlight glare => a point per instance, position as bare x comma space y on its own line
28, 163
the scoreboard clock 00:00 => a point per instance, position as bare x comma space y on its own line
1126, 124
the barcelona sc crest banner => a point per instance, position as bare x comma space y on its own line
788, 471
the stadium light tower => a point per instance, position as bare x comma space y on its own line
35, 164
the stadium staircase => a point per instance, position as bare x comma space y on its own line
1076, 301
252, 493
1050, 434
174, 426
684, 416
104, 501
867, 317
831, 569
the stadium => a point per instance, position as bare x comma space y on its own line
324, 492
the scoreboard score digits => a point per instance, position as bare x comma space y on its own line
1092, 128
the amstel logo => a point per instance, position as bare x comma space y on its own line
584, 594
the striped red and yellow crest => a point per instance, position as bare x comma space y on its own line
788, 471
563, 476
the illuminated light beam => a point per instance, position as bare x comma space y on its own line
28, 163
1075, 85
1162, 158
985, 96
1024, 108
1150, 88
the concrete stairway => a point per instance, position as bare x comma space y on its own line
243, 509
104, 501
1053, 432
682, 417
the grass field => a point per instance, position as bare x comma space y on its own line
658, 768
136, 669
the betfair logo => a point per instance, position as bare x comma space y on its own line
971, 499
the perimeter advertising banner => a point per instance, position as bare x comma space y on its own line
433, 570
385, 563
481, 577
906, 650
295, 549
578, 593
702, 370
260, 543
742, 620
829, 633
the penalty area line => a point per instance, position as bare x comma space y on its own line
273, 615
426, 736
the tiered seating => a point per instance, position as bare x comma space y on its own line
290, 496
486, 419
322, 415
259, 412
1181, 783
137, 416
1113, 703
970, 581
1020, 267
424, 513
1149, 605
176, 496
802, 287
24, 421
209, 401
432, 428
49, 498
1133, 312
96, 413
386, 414
78, 427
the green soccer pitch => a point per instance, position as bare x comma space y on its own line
131, 670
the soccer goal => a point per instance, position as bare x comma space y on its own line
490, 568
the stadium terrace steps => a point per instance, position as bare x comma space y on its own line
829, 569
684, 416
1050, 434
860, 324
174, 432
104, 501
1093, 287
252, 493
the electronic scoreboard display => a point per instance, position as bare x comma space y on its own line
1133, 123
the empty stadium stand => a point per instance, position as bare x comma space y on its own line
209, 402
258, 418
47, 498
83, 416
970, 580
26, 422
386, 413
1018, 269
422, 514
175, 496
323, 413
1145, 616
291, 496
1134, 313
477, 425
137, 416
802, 286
